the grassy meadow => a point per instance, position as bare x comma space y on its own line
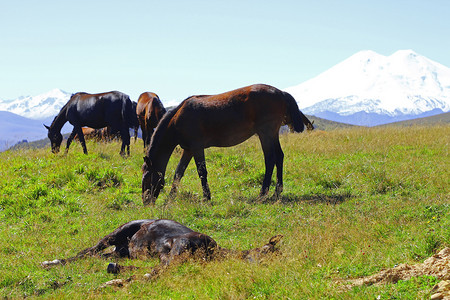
355, 201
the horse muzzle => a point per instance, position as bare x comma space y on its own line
55, 150
148, 198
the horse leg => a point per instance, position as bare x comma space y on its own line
144, 136
179, 172
125, 136
82, 141
92, 251
69, 140
269, 161
200, 162
77, 130
279, 157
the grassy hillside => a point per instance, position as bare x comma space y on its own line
440, 119
355, 201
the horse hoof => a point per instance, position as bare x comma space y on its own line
147, 198
113, 268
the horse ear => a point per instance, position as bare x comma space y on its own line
48, 128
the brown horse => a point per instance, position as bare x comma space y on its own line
222, 120
166, 239
90, 134
149, 110
103, 134
112, 109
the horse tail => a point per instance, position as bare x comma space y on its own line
294, 117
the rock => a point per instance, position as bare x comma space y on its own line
50, 263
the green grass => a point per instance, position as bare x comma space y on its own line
355, 201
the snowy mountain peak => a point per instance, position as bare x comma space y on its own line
404, 83
37, 107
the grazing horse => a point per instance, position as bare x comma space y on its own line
149, 110
112, 109
222, 120
166, 239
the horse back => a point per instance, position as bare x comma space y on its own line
230, 118
99, 110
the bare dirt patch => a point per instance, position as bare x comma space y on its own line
437, 266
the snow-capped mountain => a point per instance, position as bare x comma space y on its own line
37, 107
23, 118
371, 89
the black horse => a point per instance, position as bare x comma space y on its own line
222, 120
166, 239
113, 109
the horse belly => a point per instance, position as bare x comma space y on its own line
229, 139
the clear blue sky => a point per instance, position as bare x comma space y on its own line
181, 48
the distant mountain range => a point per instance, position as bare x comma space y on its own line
367, 89
370, 89
22, 119
14, 128
38, 107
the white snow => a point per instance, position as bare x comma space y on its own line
37, 107
402, 83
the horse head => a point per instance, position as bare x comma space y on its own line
310, 126
55, 138
152, 182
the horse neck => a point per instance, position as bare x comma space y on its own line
160, 152
306, 121
59, 120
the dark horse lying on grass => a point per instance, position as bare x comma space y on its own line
113, 110
166, 239
222, 120
149, 111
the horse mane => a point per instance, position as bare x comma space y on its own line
62, 110
162, 127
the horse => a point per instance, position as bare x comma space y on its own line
149, 110
166, 239
222, 120
104, 134
113, 109
91, 134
